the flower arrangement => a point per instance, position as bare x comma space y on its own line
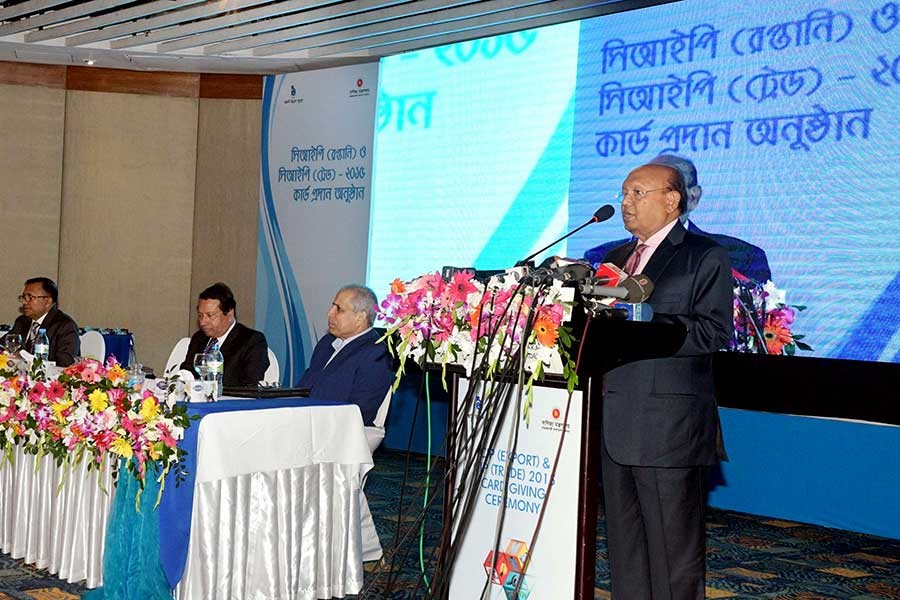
763, 321
88, 413
483, 327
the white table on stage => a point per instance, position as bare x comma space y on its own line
276, 510
61, 532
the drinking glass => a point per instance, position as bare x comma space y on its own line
200, 366
13, 343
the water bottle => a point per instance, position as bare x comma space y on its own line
215, 365
42, 345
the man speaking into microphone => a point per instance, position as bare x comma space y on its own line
660, 422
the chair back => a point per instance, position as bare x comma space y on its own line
93, 345
375, 432
177, 356
381, 415
272, 375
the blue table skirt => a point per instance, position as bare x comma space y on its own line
146, 551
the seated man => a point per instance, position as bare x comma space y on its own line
245, 350
39, 311
347, 364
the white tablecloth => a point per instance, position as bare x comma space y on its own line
276, 505
60, 532
276, 510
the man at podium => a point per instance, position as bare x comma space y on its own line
660, 422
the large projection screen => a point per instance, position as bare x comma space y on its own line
489, 149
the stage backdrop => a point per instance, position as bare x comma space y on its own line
490, 147
316, 166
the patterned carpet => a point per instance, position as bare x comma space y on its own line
748, 556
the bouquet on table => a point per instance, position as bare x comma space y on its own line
763, 321
484, 327
89, 412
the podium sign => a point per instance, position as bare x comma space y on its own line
551, 569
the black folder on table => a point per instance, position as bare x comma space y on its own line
264, 392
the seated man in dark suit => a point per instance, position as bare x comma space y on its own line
245, 350
39, 311
347, 364
746, 259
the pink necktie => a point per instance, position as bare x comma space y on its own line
635, 259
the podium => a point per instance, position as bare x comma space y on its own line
607, 344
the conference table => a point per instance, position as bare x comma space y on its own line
118, 341
270, 508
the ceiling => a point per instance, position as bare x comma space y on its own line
259, 36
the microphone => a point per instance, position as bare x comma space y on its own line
635, 289
608, 274
603, 213
625, 311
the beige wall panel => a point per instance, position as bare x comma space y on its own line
127, 215
227, 200
31, 140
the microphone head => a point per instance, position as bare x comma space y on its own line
639, 288
604, 213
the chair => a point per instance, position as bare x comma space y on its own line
272, 376
93, 345
375, 432
371, 545
177, 356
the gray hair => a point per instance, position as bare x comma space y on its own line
683, 165
691, 192
362, 299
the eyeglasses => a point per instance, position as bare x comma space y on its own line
29, 297
639, 194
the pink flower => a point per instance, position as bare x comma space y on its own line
103, 439
133, 427
553, 313
442, 327
784, 316
116, 395
56, 391
166, 435
460, 287
435, 283
36, 393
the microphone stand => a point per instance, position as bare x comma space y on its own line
527, 261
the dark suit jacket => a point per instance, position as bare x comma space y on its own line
360, 373
245, 352
747, 259
662, 412
62, 330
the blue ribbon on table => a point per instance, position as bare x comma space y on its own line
177, 502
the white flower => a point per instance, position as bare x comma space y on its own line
774, 296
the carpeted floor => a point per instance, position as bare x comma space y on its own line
747, 556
